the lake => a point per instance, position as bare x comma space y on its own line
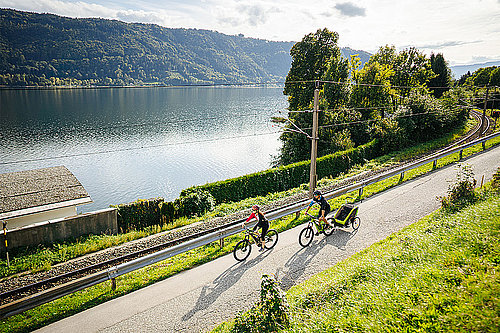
125, 144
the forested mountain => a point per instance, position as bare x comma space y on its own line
45, 49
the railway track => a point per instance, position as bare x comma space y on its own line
27, 284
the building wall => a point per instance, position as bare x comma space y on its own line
19, 222
96, 223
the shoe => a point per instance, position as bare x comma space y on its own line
316, 234
262, 249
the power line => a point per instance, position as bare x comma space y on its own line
135, 148
159, 122
370, 120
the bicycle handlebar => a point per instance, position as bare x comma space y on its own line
314, 217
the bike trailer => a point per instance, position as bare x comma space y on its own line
346, 212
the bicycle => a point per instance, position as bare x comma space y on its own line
243, 248
307, 234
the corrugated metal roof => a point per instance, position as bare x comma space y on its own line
41, 187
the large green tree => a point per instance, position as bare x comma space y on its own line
316, 57
442, 81
412, 69
310, 58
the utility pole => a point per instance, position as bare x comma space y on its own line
5, 239
484, 111
314, 142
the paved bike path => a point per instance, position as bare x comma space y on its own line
198, 299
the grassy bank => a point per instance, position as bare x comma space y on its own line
438, 275
90, 297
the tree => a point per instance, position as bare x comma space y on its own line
411, 68
310, 58
481, 77
464, 78
372, 92
442, 82
495, 77
316, 57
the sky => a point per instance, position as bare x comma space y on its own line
464, 31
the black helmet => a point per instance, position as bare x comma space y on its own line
317, 192
255, 207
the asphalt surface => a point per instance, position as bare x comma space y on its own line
199, 299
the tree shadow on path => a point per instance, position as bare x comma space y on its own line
210, 293
297, 264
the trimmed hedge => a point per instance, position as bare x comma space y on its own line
144, 213
139, 214
285, 177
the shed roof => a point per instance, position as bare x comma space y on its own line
34, 191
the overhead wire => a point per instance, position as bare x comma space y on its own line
135, 148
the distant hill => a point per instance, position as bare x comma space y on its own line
458, 71
46, 49
363, 55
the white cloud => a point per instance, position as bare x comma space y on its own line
350, 9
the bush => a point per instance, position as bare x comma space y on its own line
496, 179
426, 118
167, 211
270, 314
461, 193
390, 136
195, 203
139, 214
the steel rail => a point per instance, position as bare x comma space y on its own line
124, 268
109, 262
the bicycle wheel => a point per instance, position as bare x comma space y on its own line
328, 229
306, 236
356, 222
271, 239
242, 250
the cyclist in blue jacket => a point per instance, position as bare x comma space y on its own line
324, 206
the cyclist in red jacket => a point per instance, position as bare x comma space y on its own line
262, 222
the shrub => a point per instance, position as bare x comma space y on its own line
270, 314
390, 136
139, 214
461, 193
195, 203
496, 179
425, 118
167, 211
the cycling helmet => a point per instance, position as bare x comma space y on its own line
317, 192
255, 207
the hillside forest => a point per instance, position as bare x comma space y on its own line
50, 50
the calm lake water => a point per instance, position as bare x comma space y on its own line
125, 144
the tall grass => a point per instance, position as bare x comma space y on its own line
438, 275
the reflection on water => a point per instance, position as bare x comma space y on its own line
130, 143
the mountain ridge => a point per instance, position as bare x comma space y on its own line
47, 49
460, 70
